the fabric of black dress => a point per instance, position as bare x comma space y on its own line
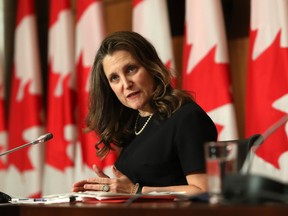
165, 151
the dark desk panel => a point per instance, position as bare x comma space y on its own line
143, 209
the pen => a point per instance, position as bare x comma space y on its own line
45, 200
62, 200
40, 200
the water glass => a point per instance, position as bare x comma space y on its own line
221, 160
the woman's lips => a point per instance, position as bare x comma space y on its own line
132, 95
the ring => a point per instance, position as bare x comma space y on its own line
106, 188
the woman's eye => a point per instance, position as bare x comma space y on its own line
132, 68
113, 78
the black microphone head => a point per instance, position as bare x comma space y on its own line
43, 138
48, 136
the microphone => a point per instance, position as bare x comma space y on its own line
260, 140
5, 198
248, 188
41, 139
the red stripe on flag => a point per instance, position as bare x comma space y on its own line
27, 8
55, 7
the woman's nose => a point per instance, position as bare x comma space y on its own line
127, 83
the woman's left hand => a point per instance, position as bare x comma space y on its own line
119, 184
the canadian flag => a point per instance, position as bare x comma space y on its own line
150, 19
59, 164
3, 129
90, 32
24, 172
267, 85
205, 64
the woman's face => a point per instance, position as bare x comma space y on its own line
129, 80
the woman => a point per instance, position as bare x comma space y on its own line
160, 131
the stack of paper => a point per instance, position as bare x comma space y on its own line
94, 197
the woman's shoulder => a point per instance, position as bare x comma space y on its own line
191, 115
189, 108
191, 112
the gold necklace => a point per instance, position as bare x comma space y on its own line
135, 127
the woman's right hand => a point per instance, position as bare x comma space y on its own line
79, 186
99, 172
120, 184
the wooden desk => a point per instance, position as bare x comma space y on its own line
143, 209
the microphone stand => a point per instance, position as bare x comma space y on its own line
248, 188
5, 198
17, 148
41, 139
261, 139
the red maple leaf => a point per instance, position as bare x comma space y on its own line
208, 80
24, 114
267, 82
60, 115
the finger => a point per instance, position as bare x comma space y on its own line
116, 172
80, 183
99, 172
98, 181
78, 189
94, 187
